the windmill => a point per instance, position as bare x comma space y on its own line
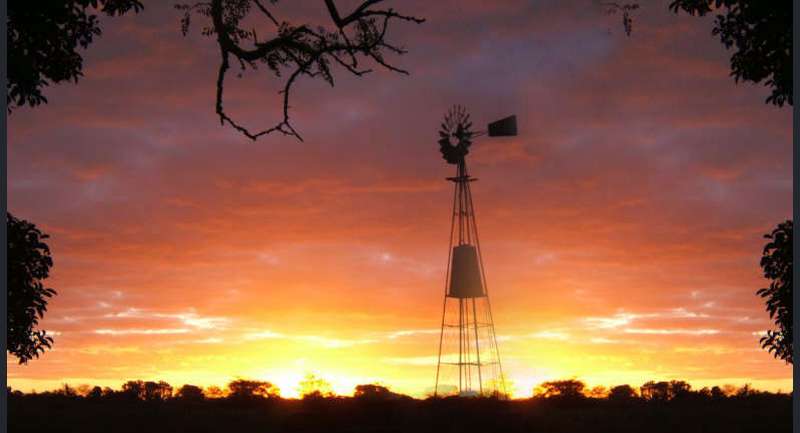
468, 361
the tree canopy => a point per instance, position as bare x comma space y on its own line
147, 390
566, 389
29, 263
777, 265
190, 392
43, 42
621, 393
249, 389
761, 33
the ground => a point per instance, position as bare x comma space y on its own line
49, 413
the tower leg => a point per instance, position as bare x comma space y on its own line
441, 338
477, 346
460, 345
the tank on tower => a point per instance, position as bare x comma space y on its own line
465, 276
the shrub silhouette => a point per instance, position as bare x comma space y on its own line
312, 387
214, 392
571, 389
251, 389
147, 391
622, 393
375, 392
95, 393
665, 391
190, 392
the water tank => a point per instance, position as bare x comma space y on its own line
465, 273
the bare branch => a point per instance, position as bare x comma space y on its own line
350, 18
626, 9
309, 52
266, 12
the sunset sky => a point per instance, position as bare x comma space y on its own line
621, 230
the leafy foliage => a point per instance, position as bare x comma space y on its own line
566, 389
214, 391
147, 391
190, 392
761, 32
621, 393
43, 39
29, 263
313, 386
665, 391
249, 389
376, 392
94, 393
304, 49
777, 265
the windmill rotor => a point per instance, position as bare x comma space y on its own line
455, 135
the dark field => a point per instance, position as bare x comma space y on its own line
59, 413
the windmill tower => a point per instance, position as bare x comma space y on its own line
469, 360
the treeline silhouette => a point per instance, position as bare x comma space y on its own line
249, 405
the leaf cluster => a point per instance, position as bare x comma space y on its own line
761, 33
29, 263
776, 263
43, 42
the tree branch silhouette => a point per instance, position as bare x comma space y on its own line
306, 51
626, 9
